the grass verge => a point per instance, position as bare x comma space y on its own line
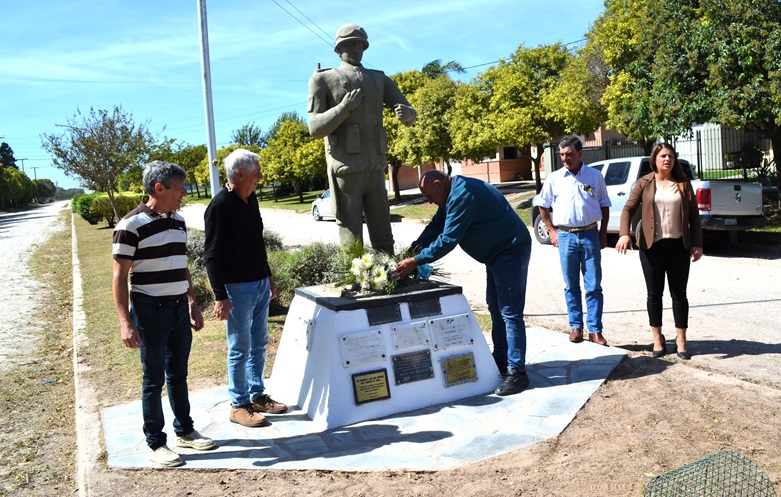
37, 435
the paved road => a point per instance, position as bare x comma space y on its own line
734, 294
20, 232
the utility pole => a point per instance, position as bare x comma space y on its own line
211, 144
35, 172
22, 161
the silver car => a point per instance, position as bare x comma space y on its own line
321, 206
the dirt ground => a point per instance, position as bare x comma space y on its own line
651, 416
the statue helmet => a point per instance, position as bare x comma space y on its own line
351, 32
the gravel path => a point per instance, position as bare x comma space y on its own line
20, 233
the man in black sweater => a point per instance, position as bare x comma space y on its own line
241, 279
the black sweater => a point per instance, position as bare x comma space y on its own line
234, 250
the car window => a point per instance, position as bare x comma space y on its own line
617, 173
598, 167
645, 167
327, 194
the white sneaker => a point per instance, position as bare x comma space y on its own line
195, 441
165, 457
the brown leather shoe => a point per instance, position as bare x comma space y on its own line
245, 416
597, 338
576, 335
264, 403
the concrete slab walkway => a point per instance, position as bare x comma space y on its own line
563, 376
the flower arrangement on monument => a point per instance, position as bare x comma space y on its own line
371, 271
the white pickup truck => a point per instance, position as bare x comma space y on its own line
725, 205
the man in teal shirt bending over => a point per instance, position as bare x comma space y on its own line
476, 216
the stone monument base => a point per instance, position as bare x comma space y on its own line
345, 359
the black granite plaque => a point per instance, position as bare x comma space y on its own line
423, 308
413, 366
384, 314
370, 386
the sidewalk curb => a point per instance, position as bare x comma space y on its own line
86, 412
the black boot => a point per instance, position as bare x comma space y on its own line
514, 381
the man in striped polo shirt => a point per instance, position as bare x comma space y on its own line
150, 252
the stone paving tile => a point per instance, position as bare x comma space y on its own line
562, 378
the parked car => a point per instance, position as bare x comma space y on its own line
725, 205
321, 206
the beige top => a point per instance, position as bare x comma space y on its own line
667, 206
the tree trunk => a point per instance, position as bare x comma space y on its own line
536, 161
648, 145
775, 140
395, 176
110, 193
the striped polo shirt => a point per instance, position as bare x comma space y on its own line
157, 245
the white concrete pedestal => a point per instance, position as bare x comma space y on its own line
346, 359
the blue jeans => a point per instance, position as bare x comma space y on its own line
247, 332
166, 337
581, 253
505, 294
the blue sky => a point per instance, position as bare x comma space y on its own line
58, 56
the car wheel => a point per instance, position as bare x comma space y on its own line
540, 231
316, 213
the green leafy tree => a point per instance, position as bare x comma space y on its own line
44, 189
516, 102
249, 134
99, 147
293, 156
398, 143
16, 189
7, 156
727, 69
283, 118
202, 174
615, 44
187, 156
435, 68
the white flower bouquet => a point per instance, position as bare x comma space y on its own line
372, 272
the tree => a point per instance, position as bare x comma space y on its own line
202, 173
293, 156
188, 157
615, 44
7, 156
727, 68
249, 134
16, 189
435, 69
44, 189
519, 102
284, 117
99, 147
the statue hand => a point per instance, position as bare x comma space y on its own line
353, 99
405, 113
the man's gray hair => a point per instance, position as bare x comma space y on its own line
240, 160
162, 172
571, 141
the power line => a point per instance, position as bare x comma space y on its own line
301, 23
307, 18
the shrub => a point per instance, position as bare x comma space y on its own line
273, 240
310, 265
81, 204
101, 206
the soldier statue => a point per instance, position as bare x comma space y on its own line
345, 108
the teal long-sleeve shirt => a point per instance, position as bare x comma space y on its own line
477, 217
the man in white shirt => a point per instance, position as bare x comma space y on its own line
573, 201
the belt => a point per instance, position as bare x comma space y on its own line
572, 229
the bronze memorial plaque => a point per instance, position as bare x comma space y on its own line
371, 386
412, 366
458, 369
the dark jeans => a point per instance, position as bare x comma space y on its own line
164, 326
505, 295
667, 257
